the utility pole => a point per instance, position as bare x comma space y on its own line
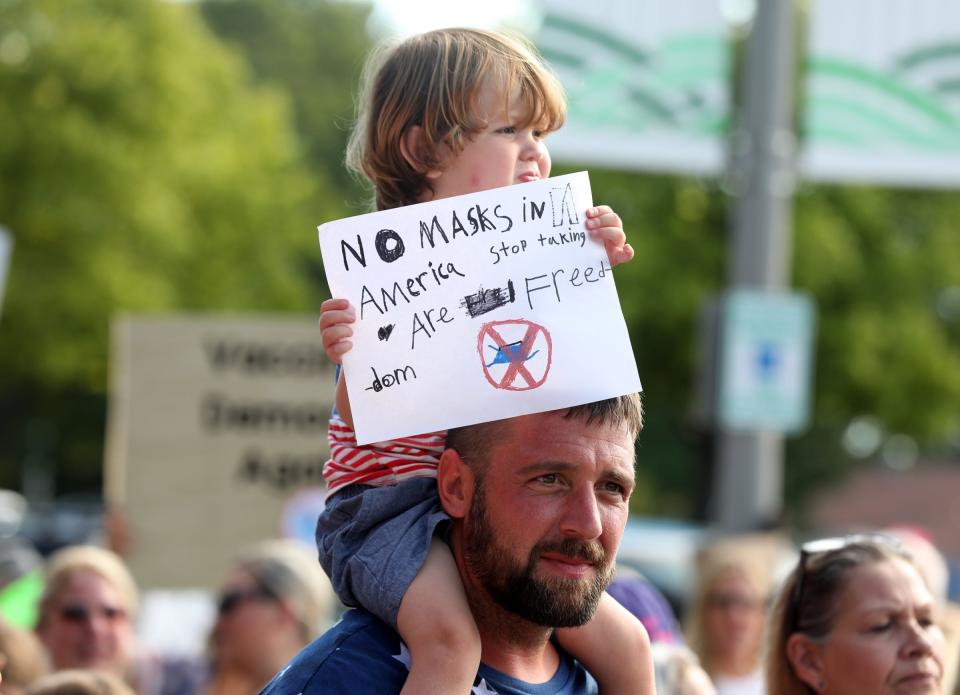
748, 480
6, 249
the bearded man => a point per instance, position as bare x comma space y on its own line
538, 504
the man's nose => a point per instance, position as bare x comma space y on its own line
581, 517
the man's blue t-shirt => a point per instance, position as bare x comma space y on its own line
361, 655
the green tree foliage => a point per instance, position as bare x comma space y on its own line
145, 167
678, 228
879, 263
140, 170
314, 50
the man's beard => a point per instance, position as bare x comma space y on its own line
547, 601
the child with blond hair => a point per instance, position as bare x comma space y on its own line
445, 113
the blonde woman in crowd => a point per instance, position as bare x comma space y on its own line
275, 600
87, 610
726, 618
855, 617
86, 621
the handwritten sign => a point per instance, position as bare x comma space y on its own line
477, 308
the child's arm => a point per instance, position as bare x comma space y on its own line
615, 648
336, 315
605, 225
438, 628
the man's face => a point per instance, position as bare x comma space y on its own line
547, 516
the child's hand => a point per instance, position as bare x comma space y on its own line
603, 224
336, 315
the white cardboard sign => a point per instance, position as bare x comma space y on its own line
477, 308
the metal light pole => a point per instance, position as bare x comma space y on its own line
6, 250
748, 487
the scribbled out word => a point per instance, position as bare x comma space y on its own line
390, 378
383, 333
485, 301
511, 353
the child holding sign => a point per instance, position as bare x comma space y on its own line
445, 113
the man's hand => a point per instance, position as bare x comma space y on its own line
605, 225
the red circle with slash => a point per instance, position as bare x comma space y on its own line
514, 343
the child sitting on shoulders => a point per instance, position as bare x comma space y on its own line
445, 113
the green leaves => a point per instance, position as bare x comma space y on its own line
143, 167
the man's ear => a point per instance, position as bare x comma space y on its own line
411, 147
455, 482
805, 656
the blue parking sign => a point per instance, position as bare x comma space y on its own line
765, 360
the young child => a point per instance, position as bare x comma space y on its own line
442, 114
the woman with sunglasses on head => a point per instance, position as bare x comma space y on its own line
275, 600
86, 621
855, 618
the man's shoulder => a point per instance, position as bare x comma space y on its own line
359, 654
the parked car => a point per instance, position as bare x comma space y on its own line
664, 551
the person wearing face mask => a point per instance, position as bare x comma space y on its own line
855, 618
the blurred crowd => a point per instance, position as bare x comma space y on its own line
80, 636
856, 614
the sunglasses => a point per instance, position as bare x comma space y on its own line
229, 600
726, 602
824, 546
80, 614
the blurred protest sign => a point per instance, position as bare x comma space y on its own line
885, 107
477, 308
6, 250
214, 423
647, 83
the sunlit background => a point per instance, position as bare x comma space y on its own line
172, 160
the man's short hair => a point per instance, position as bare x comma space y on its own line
474, 442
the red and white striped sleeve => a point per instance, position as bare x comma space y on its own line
380, 463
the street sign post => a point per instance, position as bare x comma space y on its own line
765, 361
6, 249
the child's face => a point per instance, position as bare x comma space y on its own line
501, 154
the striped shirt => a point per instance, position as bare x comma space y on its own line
380, 463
